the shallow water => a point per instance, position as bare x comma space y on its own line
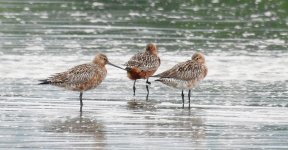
241, 104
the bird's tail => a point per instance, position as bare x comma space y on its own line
44, 81
157, 76
157, 80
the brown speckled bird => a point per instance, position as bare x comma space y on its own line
82, 77
185, 75
143, 65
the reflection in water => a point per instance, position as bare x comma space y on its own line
158, 121
80, 125
182, 124
136, 104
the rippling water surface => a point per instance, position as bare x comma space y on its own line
241, 104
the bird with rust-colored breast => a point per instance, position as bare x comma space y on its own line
82, 77
185, 75
143, 65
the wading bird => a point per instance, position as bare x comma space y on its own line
143, 65
185, 75
82, 77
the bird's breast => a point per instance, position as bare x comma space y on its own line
136, 73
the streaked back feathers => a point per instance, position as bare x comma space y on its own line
145, 61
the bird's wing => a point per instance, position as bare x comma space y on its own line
82, 73
78, 74
184, 71
144, 61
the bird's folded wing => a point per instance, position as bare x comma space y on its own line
183, 71
78, 74
82, 73
144, 62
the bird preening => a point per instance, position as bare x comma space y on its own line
185, 75
143, 65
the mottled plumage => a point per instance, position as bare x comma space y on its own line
185, 75
82, 77
143, 65
145, 61
79, 78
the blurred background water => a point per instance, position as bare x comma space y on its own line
241, 104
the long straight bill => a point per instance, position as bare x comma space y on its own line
115, 66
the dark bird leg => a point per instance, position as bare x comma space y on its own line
148, 81
147, 87
81, 103
134, 88
182, 99
189, 95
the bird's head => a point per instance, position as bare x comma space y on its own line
198, 57
151, 48
100, 59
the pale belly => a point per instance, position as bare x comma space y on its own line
83, 86
178, 84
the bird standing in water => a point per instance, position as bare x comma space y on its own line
82, 77
185, 75
143, 65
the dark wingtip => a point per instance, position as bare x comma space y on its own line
44, 82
